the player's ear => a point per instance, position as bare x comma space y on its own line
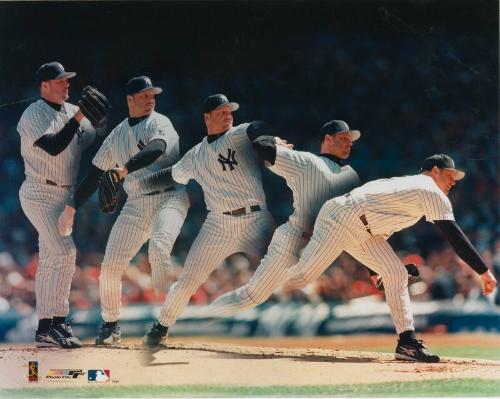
435, 171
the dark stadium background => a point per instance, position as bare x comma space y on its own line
416, 77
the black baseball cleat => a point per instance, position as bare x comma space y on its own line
43, 339
157, 335
63, 335
414, 350
109, 334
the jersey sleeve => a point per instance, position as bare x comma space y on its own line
347, 180
436, 206
87, 133
239, 132
164, 130
184, 169
104, 159
34, 124
289, 163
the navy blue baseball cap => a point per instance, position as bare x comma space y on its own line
140, 84
52, 71
442, 161
337, 126
216, 101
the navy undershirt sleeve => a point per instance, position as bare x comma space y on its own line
55, 143
87, 187
461, 244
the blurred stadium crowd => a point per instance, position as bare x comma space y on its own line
408, 99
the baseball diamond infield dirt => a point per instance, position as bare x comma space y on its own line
243, 362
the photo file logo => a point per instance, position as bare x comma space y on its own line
64, 373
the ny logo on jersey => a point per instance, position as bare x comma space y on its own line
140, 145
79, 134
229, 160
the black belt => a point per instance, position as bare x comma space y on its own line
243, 211
365, 222
161, 191
53, 183
306, 235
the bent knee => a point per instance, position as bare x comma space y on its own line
189, 285
396, 277
112, 270
300, 280
161, 238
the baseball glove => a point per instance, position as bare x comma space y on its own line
94, 106
109, 186
413, 276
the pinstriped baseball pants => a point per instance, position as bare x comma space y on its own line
158, 218
220, 236
43, 204
338, 228
282, 253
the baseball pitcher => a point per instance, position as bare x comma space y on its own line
143, 143
361, 221
54, 133
313, 180
227, 168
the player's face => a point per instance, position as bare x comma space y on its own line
141, 104
338, 144
444, 178
219, 120
55, 91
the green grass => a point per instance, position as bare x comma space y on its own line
470, 351
430, 388
473, 352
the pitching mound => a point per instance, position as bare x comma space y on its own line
191, 363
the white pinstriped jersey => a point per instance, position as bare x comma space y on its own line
38, 120
390, 205
313, 180
227, 170
125, 141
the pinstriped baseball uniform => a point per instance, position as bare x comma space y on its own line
360, 223
227, 170
313, 180
47, 188
158, 217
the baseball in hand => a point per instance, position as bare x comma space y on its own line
488, 282
65, 222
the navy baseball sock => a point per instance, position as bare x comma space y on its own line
162, 328
406, 336
44, 325
111, 323
58, 320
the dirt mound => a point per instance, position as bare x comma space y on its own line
187, 362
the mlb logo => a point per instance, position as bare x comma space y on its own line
98, 375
